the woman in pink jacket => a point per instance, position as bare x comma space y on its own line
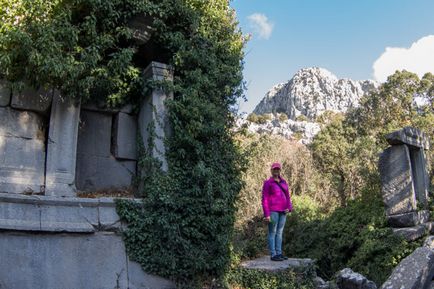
276, 203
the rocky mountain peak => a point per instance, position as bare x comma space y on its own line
312, 91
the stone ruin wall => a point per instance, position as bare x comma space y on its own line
55, 146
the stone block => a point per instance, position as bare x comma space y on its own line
62, 147
38, 100
108, 218
396, 180
124, 138
96, 168
419, 167
411, 233
19, 216
138, 279
22, 151
5, 93
70, 261
69, 214
408, 219
347, 279
409, 136
416, 271
103, 173
94, 134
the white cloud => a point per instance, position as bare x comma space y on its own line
419, 58
261, 25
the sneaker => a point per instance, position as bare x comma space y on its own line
283, 257
276, 258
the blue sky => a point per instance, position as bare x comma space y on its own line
344, 36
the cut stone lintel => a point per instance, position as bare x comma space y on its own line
397, 180
62, 147
29, 98
409, 136
153, 111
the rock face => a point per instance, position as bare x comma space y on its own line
290, 129
312, 91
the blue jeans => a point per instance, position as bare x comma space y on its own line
275, 232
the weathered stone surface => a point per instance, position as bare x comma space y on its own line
411, 233
22, 151
320, 283
264, 263
67, 261
396, 180
96, 168
5, 93
419, 168
153, 111
414, 272
124, 137
410, 136
62, 147
32, 99
408, 219
347, 279
429, 242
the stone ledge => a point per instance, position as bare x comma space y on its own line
54, 214
264, 263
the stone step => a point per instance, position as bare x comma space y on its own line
412, 233
264, 263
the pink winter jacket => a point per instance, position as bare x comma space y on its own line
273, 198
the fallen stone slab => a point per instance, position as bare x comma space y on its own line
408, 219
411, 233
348, 279
414, 272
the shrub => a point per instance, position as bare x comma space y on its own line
257, 279
283, 117
301, 117
355, 236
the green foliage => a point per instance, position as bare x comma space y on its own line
354, 236
283, 117
256, 279
184, 228
260, 119
346, 150
82, 48
301, 117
